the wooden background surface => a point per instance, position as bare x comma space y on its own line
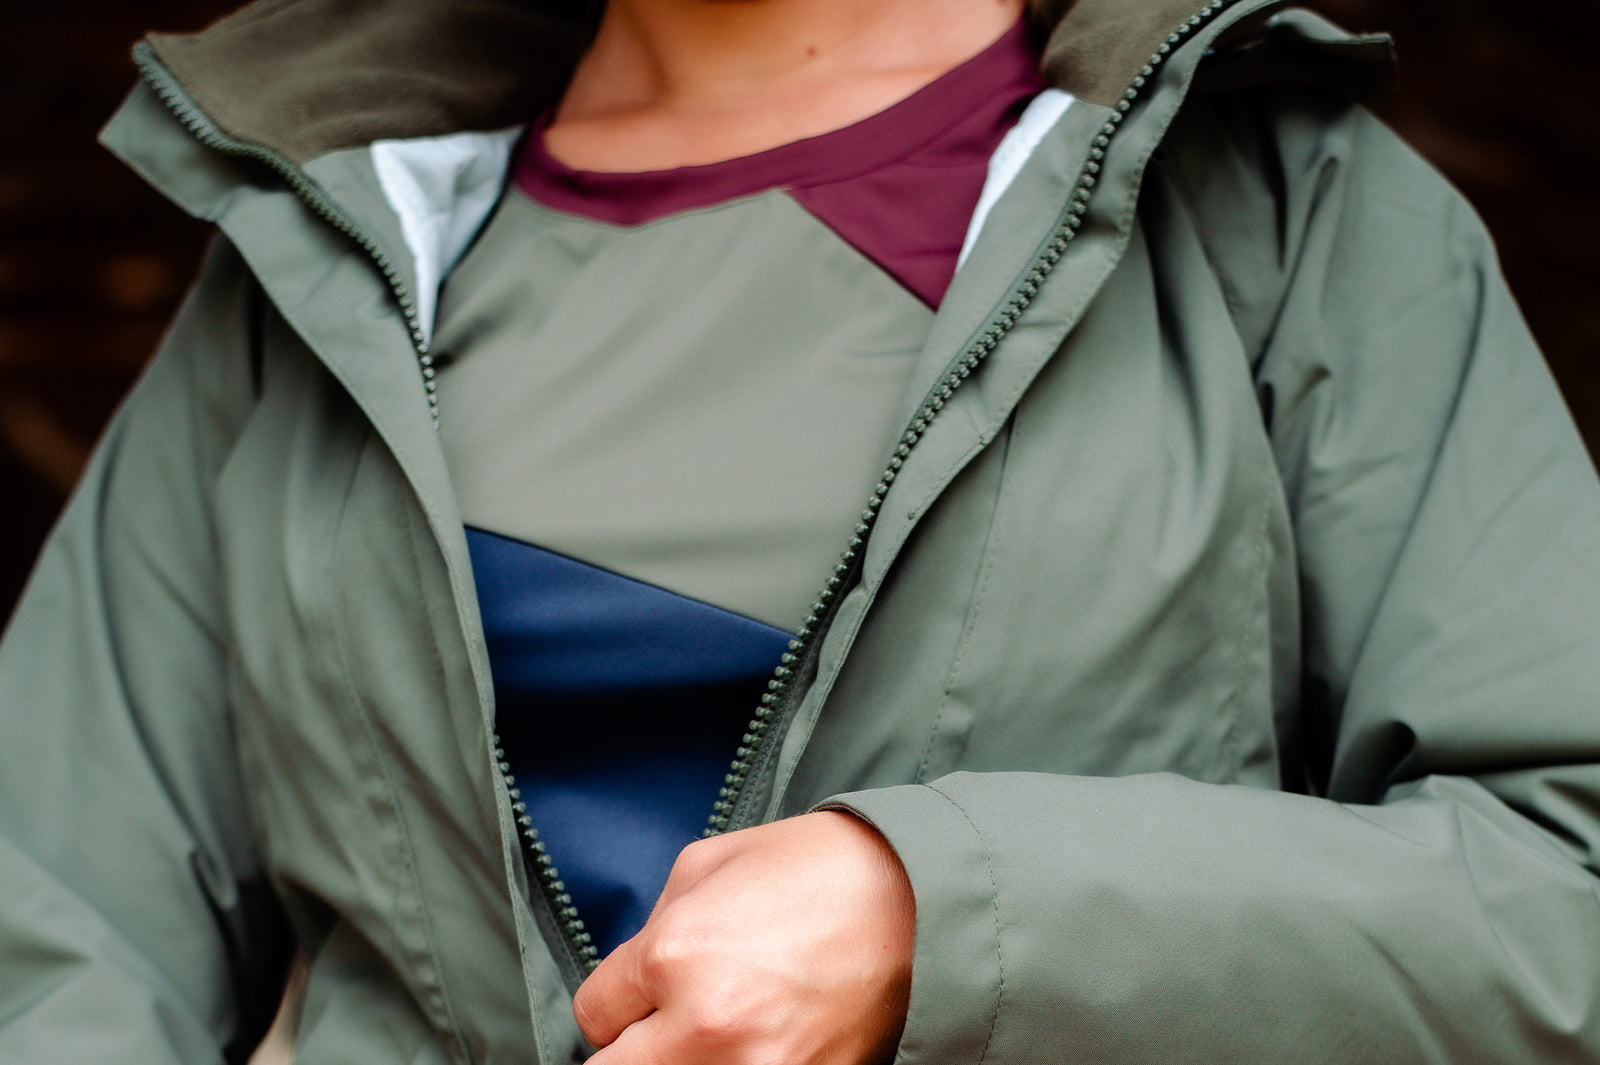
1501, 95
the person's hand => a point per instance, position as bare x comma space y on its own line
789, 943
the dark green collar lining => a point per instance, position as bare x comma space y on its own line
306, 77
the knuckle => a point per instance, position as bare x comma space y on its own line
695, 859
668, 951
583, 1011
719, 1018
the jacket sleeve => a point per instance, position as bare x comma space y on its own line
1437, 901
135, 925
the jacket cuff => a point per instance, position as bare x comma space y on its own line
957, 975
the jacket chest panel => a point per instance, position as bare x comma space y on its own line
350, 665
1094, 594
276, 528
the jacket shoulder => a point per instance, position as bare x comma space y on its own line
1302, 188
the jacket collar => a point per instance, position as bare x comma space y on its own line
308, 77
305, 80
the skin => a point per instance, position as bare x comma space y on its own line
791, 942
670, 83
788, 943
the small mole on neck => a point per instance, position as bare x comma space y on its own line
811, 51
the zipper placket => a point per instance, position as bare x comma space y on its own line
760, 740
204, 130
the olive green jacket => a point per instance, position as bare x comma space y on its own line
1219, 652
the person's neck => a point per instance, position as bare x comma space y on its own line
670, 83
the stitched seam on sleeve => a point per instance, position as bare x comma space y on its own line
994, 902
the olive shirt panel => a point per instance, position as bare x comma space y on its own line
702, 402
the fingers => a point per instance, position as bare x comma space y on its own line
649, 1042
722, 1030
621, 991
614, 996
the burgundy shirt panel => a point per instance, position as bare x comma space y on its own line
899, 186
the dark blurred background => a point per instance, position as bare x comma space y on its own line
1500, 95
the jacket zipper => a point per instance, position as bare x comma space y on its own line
204, 130
778, 702
581, 951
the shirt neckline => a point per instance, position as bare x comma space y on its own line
876, 141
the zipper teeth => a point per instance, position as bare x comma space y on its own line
759, 737
206, 132
573, 933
